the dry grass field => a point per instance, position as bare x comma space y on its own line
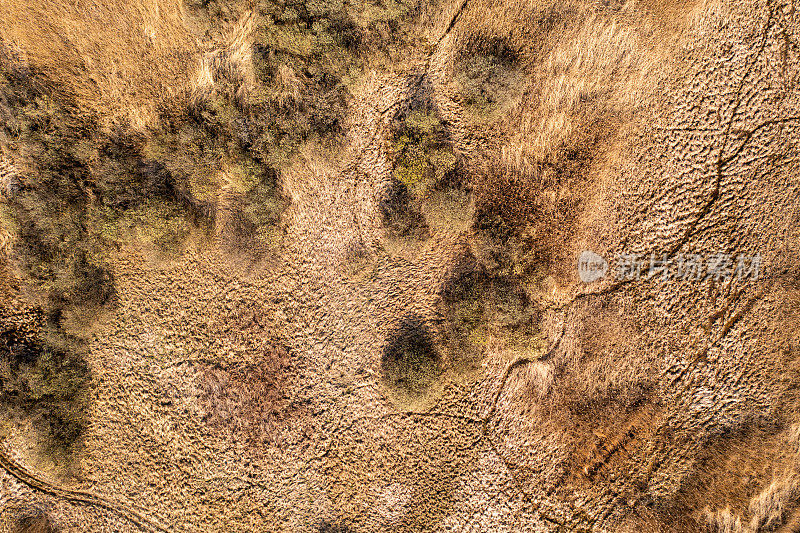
312, 265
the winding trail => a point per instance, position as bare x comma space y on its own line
25, 476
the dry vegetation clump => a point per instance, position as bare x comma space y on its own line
411, 362
42, 376
477, 305
430, 191
486, 76
769, 508
465, 304
424, 155
723, 521
555, 86
155, 125
499, 298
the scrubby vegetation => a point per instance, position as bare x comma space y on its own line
434, 189
430, 191
57, 252
42, 374
205, 161
479, 304
424, 155
410, 362
211, 157
487, 76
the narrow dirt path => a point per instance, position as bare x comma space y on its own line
25, 476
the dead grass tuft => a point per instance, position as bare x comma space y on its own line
769, 508
723, 521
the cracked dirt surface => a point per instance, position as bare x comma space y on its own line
231, 401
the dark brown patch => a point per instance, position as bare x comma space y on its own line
250, 403
34, 523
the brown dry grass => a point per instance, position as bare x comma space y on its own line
117, 59
248, 404
769, 508
723, 521
582, 73
587, 70
746, 483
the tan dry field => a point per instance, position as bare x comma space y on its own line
271, 394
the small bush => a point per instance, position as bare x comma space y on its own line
428, 189
465, 300
478, 305
487, 77
424, 156
410, 362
